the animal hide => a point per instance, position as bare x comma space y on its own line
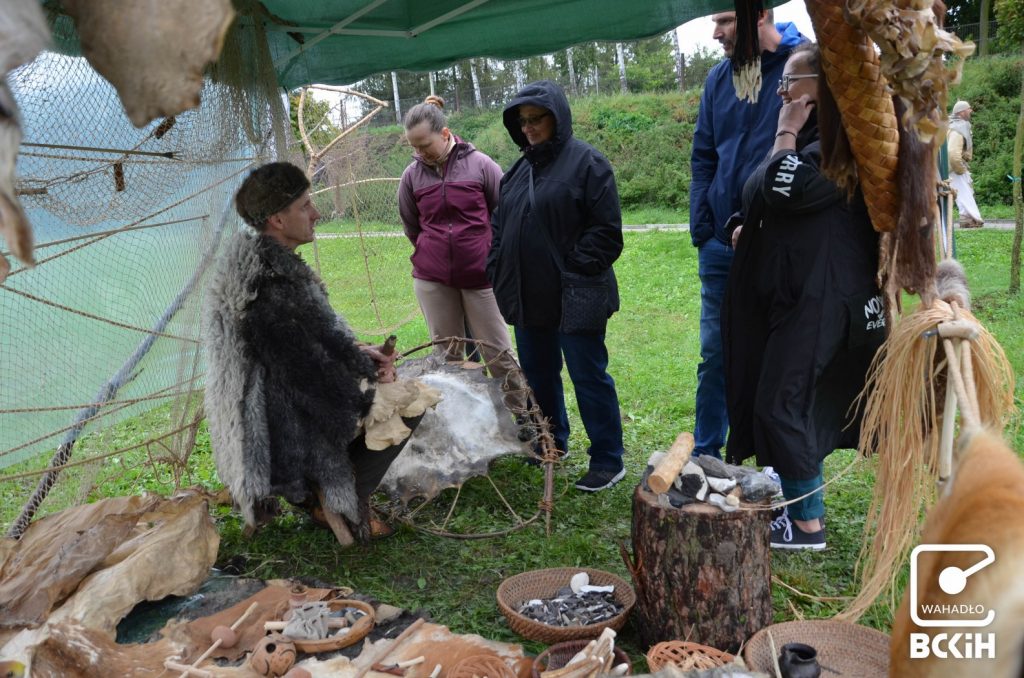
984, 505
458, 440
23, 33
152, 51
286, 383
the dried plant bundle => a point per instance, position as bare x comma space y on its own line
901, 427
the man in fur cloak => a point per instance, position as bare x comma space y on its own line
287, 383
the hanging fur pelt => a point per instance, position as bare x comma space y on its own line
984, 505
908, 255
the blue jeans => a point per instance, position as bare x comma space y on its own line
712, 420
807, 508
540, 355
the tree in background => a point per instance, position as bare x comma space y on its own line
968, 12
1011, 31
316, 115
651, 65
589, 68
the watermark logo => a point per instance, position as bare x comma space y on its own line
964, 613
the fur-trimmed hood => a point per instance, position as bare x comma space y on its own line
286, 383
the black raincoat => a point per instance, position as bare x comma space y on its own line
575, 200
802, 316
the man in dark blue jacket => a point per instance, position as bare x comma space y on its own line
731, 138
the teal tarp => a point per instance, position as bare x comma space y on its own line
375, 36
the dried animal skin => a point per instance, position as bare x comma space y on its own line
914, 51
153, 51
14, 226
23, 34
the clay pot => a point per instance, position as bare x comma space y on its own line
272, 656
799, 661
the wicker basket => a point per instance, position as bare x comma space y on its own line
558, 655
358, 631
520, 588
847, 649
481, 666
686, 656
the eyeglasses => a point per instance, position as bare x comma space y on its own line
534, 121
788, 79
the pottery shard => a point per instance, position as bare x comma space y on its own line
152, 51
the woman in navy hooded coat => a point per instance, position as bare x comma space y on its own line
570, 221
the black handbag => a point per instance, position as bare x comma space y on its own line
585, 298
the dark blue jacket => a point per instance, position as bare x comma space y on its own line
732, 138
575, 201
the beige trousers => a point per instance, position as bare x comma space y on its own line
449, 310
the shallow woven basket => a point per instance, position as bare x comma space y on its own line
686, 656
558, 655
520, 588
359, 630
847, 649
481, 666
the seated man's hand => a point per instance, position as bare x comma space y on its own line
386, 372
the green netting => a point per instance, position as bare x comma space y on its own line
105, 329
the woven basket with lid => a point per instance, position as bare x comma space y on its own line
518, 589
847, 649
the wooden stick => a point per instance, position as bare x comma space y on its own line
332, 623
662, 478
401, 638
959, 329
335, 522
948, 430
186, 670
775, 655
192, 670
967, 412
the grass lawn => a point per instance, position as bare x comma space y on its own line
653, 343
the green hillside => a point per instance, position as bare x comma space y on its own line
647, 137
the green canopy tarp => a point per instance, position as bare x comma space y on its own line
346, 40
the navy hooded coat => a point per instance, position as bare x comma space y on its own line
575, 201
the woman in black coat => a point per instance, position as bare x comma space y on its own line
558, 215
802, 316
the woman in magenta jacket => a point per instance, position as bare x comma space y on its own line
445, 200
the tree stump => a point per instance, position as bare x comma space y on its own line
700, 574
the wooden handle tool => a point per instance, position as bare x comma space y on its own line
668, 469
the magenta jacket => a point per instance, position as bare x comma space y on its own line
447, 216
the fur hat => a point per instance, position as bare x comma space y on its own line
268, 190
960, 107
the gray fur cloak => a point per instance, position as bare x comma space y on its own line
286, 383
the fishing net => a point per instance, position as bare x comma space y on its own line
101, 374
